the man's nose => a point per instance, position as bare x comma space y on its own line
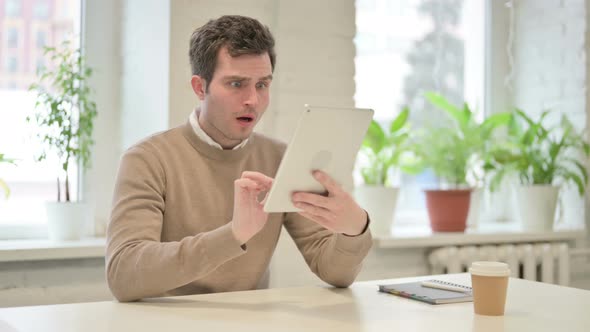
251, 97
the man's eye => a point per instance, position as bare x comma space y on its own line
235, 84
262, 85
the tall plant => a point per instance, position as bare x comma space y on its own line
454, 153
3, 185
64, 110
383, 149
542, 155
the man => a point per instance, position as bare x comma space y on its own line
186, 215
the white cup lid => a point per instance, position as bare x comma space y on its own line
490, 269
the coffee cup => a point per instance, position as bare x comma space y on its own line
490, 284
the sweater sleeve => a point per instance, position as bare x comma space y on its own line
138, 264
334, 258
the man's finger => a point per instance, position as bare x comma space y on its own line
314, 199
247, 184
265, 197
330, 184
316, 210
258, 177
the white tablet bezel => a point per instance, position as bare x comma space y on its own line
326, 138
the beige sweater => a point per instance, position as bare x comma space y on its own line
169, 232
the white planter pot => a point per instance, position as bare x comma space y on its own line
380, 203
536, 205
66, 221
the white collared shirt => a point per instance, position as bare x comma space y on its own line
203, 135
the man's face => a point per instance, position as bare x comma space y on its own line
237, 97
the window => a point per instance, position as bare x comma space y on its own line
41, 9
11, 64
31, 183
13, 8
12, 38
405, 48
41, 39
39, 64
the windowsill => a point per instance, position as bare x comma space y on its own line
402, 236
421, 236
43, 249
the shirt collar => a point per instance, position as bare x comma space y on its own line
194, 121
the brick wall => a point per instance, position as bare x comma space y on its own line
550, 70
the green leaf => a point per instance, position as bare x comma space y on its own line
577, 181
375, 137
556, 148
494, 121
399, 122
525, 117
514, 127
467, 113
442, 103
580, 168
529, 135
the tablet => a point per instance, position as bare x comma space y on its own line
326, 139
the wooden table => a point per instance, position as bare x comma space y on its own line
531, 306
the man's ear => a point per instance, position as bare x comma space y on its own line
198, 85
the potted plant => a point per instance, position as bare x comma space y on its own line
455, 154
64, 121
543, 158
3, 185
381, 154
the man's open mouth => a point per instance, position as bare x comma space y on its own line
246, 118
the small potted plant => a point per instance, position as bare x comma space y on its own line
455, 154
543, 158
64, 121
382, 154
3, 185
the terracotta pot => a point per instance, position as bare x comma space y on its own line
448, 209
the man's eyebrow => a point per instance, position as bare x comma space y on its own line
235, 78
242, 78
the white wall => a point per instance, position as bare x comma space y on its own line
497, 65
102, 39
145, 70
550, 71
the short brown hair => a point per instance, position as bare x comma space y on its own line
240, 34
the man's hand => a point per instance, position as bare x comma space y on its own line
249, 217
337, 211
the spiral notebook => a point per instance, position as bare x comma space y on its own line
415, 291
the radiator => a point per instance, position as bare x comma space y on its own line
546, 262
